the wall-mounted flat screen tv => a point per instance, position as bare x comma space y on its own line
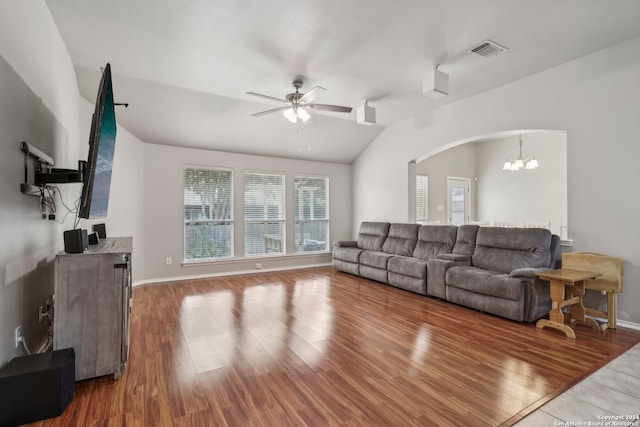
94, 201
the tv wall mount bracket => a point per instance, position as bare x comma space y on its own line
44, 172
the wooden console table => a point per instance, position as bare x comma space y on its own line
574, 280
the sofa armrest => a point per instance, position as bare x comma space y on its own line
346, 244
436, 275
455, 257
527, 272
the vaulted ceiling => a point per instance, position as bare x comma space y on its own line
184, 66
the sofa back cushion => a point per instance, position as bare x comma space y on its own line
506, 249
372, 235
434, 240
401, 239
466, 239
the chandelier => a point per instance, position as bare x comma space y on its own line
519, 163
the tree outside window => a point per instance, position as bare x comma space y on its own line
208, 213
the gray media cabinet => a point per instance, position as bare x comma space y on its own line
93, 305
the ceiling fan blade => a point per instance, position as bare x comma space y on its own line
310, 96
271, 98
334, 108
275, 110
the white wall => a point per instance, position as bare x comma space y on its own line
594, 98
538, 195
39, 104
164, 216
459, 162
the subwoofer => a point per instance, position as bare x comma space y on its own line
37, 387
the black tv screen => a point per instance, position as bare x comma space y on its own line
94, 201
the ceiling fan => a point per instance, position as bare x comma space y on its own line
297, 104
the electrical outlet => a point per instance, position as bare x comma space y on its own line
18, 335
169, 260
258, 266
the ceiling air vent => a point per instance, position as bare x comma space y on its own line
488, 48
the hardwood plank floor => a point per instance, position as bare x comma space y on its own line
320, 347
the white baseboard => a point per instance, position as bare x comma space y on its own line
229, 273
619, 322
629, 325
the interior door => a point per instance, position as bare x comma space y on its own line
458, 196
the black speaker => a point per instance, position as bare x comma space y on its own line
94, 239
37, 387
101, 229
76, 241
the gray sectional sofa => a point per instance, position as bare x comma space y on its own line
490, 269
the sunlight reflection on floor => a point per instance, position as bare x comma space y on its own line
265, 322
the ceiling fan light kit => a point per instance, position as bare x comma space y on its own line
297, 104
366, 115
435, 84
293, 114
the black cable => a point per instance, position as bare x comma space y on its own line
69, 210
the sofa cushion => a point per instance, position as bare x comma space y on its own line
401, 239
372, 235
375, 259
506, 249
434, 240
406, 266
466, 239
485, 282
348, 254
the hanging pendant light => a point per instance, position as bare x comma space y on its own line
532, 164
519, 163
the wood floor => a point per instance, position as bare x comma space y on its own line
318, 347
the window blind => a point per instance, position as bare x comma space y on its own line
264, 214
422, 200
311, 199
208, 213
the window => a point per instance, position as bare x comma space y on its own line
264, 214
208, 217
422, 200
312, 213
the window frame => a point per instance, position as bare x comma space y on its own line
281, 243
326, 219
230, 221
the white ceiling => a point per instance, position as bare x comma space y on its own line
185, 65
